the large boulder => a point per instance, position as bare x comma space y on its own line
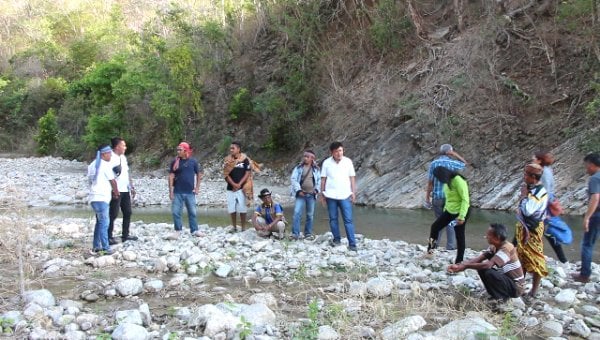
41, 297
403, 327
132, 286
467, 328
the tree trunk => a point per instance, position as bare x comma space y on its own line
458, 10
417, 20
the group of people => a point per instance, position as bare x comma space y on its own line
504, 265
111, 190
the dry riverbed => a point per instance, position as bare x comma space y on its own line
240, 286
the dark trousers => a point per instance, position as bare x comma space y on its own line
459, 230
498, 285
124, 203
560, 253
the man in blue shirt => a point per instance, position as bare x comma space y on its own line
268, 217
434, 195
185, 175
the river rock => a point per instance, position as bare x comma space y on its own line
379, 287
589, 310
160, 265
129, 316
75, 335
59, 199
581, 329
327, 332
131, 286
127, 331
566, 297
12, 318
223, 270
258, 246
154, 286
177, 280
102, 261
183, 313
129, 255
464, 328
551, 328
213, 319
41, 297
86, 321
264, 298
258, 314
33, 311
145, 312
403, 327
357, 289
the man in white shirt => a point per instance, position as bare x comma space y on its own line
338, 188
102, 180
120, 168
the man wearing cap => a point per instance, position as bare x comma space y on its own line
306, 181
102, 181
185, 174
268, 216
531, 213
120, 167
434, 194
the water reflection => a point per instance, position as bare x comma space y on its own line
394, 224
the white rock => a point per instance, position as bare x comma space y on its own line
132, 316
41, 297
379, 287
258, 314
552, 328
258, 246
465, 328
33, 311
128, 331
146, 316
75, 335
154, 286
103, 261
128, 255
327, 333
265, 298
589, 310
357, 289
86, 321
403, 327
177, 280
531, 321
131, 286
223, 270
60, 199
580, 328
213, 320
566, 297
12, 317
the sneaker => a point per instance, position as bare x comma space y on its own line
294, 237
198, 233
130, 238
352, 248
113, 240
334, 243
580, 278
173, 236
95, 252
309, 237
107, 252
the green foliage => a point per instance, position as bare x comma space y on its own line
310, 330
245, 328
103, 336
224, 144
100, 129
591, 137
572, 12
241, 104
47, 135
6, 325
390, 26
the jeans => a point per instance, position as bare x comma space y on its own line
101, 228
304, 202
345, 206
177, 208
123, 202
587, 245
438, 209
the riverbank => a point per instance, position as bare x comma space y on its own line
238, 285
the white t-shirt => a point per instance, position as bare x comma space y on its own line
338, 176
123, 178
101, 189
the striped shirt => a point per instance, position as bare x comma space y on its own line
507, 260
448, 163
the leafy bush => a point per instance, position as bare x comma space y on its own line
241, 104
100, 129
47, 135
223, 147
389, 26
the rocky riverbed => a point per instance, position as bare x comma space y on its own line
239, 286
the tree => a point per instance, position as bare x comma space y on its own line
47, 135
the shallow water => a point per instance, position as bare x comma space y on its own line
394, 224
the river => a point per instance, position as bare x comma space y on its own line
395, 224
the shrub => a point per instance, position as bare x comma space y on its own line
47, 135
241, 104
